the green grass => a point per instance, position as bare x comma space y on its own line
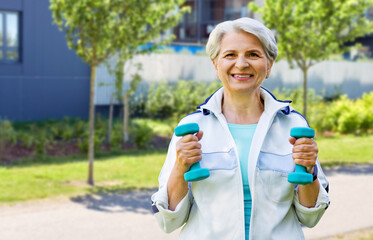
164, 127
122, 173
37, 179
343, 150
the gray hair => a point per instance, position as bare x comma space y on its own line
248, 25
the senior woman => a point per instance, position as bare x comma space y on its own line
244, 142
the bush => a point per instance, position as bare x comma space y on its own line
365, 106
7, 133
40, 141
142, 134
177, 100
26, 139
116, 138
83, 143
160, 102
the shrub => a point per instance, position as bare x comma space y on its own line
142, 134
116, 139
160, 102
40, 141
83, 143
177, 100
7, 132
80, 128
365, 106
7, 135
26, 139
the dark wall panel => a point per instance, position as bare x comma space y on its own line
10, 98
50, 81
55, 98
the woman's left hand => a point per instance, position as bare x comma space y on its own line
305, 152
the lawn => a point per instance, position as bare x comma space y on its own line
134, 170
347, 149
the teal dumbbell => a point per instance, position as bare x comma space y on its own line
195, 173
300, 175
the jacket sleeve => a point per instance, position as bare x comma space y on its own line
311, 216
169, 220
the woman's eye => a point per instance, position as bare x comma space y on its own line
229, 55
254, 55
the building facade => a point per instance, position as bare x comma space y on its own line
40, 78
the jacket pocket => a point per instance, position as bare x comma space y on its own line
273, 172
219, 160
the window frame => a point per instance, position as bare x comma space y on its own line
4, 49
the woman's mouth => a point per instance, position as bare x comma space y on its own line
242, 76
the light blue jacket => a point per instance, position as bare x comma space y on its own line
214, 207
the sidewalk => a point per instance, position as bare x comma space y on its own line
113, 216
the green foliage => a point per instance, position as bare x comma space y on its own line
312, 30
169, 100
80, 128
309, 31
345, 115
97, 30
83, 143
116, 139
7, 133
365, 106
142, 134
40, 141
26, 139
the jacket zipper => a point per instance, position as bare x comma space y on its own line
224, 123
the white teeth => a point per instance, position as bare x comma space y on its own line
242, 76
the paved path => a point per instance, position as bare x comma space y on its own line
127, 217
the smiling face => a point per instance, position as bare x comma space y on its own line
242, 64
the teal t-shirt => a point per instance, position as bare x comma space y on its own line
243, 136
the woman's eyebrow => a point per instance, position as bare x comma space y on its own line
228, 51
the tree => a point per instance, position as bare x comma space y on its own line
309, 31
98, 30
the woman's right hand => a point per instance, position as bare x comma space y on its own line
188, 151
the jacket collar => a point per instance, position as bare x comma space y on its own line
271, 104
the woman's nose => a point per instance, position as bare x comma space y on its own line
242, 63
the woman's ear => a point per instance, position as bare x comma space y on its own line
216, 68
213, 62
269, 67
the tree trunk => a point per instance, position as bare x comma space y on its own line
91, 126
305, 70
110, 123
125, 118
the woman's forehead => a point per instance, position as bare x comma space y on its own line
240, 40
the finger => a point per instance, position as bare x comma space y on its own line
305, 148
305, 156
304, 141
199, 135
189, 138
186, 160
292, 140
306, 163
189, 145
192, 152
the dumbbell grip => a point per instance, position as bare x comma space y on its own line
195, 173
300, 175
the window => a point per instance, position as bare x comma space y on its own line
205, 15
9, 37
369, 14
